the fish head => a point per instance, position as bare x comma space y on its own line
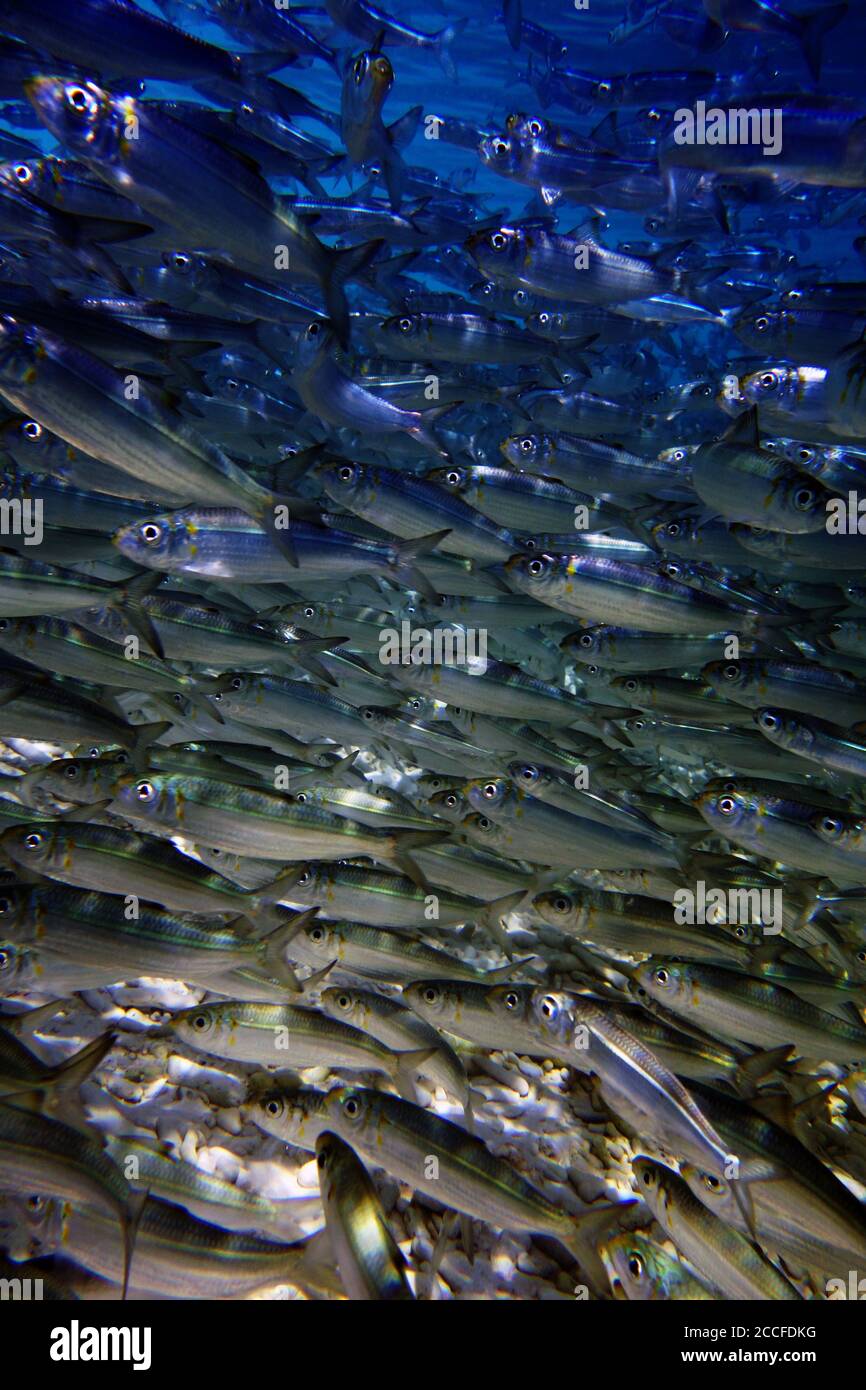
367, 80
320, 940
512, 1003
287, 1112
40, 846
758, 539
235, 693
402, 329
348, 1005
501, 154
527, 450
584, 646
799, 504
533, 574
726, 811
528, 776
19, 967
160, 542
663, 980
634, 1262
19, 358
352, 1111
314, 344
497, 252
342, 481
836, 829
17, 912
649, 1179
201, 1026
154, 799
560, 908
785, 730
551, 1017
729, 679
715, 1192
31, 1226
451, 803
87, 120
489, 794
765, 387
678, 531
759, 328
454, 480
436, 1001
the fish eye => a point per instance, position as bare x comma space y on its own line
501, 147
637, 724
301, 797
36, 1203
767, 379
453, 478
32, 429
831, 827
762, 324
673, 570
769, 721
144, 790
304, 878
343, 1001
150, 533
673, 528
491, 790
5, 905
653, 115
631, 685
511, 1000
317, 934
358, 68
309, 612
451, 800
405, 325
731, 672
231, 384
345, 474
498, 242
661, 976
549, 1007
382, 65
534, 127
635, 1266
23, 173
805, 455
648, 1178
272, 1107
78, 99
603, 89
352, 1106
484, 823
586, 641
535, 568
544, 318
179, 260
678, 455
33, 841
711, 1182
803, 498
71, 771
199, 1022
368, 715
313, 329
237, 683
561, 904
727, 805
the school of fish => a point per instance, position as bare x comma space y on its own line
433, 649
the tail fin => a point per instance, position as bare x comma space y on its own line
444, 41
145, 735
813, 28
342, 266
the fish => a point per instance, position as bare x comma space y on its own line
370, 1261
433, 681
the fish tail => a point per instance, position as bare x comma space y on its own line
274, 953
145, 735
403, 844
813, 27
275, 519
342, 266
444, 42
406, 1066
129, 1225
128, 594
